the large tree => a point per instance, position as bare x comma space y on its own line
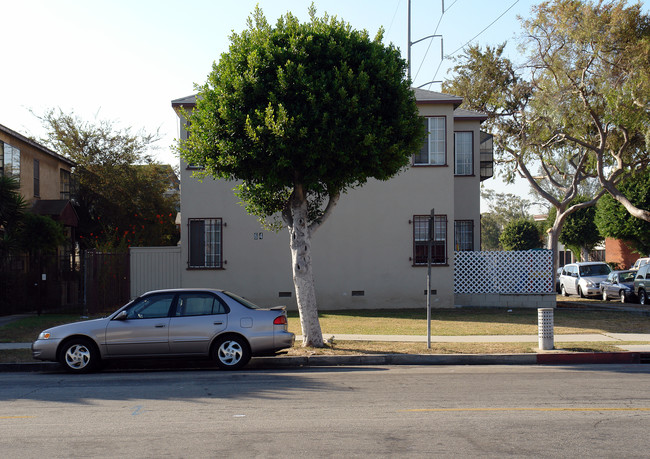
578, 107
613, 220
119, 191
299, 113
579, 232
12, 210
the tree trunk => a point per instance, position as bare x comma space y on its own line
303, 278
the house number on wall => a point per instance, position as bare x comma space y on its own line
257, 236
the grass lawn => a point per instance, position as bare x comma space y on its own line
446, 322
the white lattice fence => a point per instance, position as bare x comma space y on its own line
504, 272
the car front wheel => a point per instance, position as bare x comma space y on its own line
643, 299
580, 292
79, 355
563, 289
622, 296
231, 352
605, 297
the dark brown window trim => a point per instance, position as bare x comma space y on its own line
429, 165
433, 265
463, 175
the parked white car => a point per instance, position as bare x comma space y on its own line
583, 278
640, 262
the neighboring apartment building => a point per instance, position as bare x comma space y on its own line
371, 252
44, 176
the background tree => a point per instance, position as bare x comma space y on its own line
520, 234
579, 232
120, 194
300, 113
503, 208
590, 67
581, 110
613, 220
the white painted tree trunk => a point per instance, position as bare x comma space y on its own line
303, 278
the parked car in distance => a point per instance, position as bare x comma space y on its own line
619, 285
583, 278
640, 262
642, 284
192, 323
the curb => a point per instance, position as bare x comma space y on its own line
283, 362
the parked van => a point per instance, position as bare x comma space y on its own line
640, 262
642, 283
583, 278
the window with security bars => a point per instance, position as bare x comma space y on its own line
464, 235
205, 243
464, 153
433, 151
421, 240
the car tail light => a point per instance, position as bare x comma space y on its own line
280, 320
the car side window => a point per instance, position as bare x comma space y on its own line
198, 304
151, 307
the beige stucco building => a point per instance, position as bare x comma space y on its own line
372, 251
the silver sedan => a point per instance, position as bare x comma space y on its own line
170, 323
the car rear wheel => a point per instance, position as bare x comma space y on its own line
231, 352
643, 299
79, 355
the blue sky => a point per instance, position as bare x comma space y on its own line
125, 60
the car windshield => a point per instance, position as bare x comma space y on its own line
626, 277
594, 270
241, 300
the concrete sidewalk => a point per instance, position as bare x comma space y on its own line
576, 338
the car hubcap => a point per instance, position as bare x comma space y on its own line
230, 352
77, 356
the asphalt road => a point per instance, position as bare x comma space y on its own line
400, 411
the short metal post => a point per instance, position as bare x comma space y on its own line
545, 328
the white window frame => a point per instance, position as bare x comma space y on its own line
434, 144
464, 153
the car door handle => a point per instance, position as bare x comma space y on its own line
160, 326
218, 323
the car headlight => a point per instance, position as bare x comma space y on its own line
589, 284
44, 335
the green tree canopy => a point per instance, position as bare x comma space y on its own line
520, 234
579, 232
120, 194
613, 220
300, 113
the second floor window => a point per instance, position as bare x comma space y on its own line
37, 178
9, 161
65, 184
433, 151
463, 153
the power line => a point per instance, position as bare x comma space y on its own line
395, 14
491, 24
473, 38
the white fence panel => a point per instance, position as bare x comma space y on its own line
519, 272
154, 268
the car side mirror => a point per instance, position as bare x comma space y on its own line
121, 316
